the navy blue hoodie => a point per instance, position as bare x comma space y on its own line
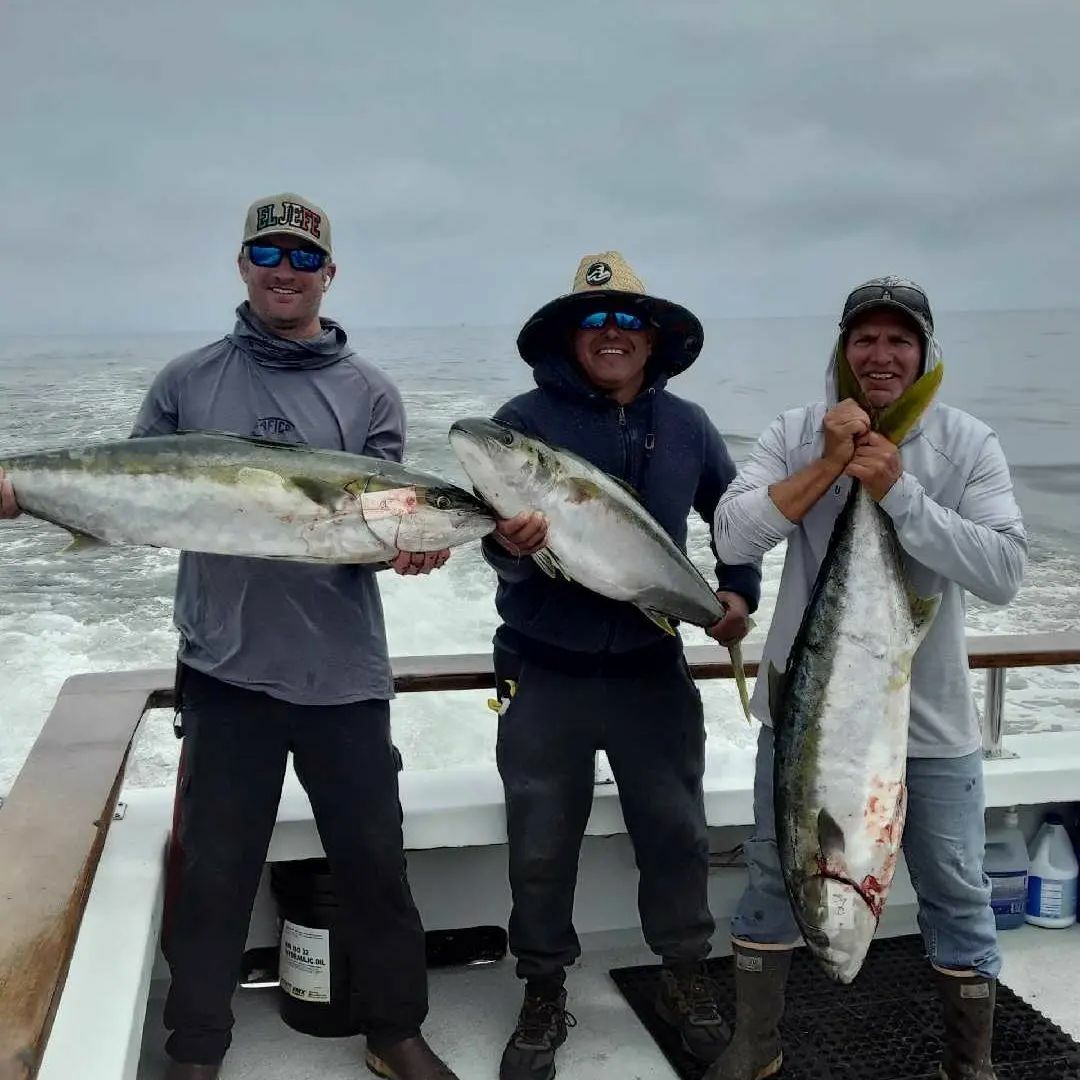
668, 451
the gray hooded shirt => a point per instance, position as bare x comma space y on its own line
957, 522
308, 634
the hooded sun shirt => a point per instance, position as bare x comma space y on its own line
308, 634
664, 447
955, 517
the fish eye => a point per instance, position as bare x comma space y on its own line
443, 502
508, 438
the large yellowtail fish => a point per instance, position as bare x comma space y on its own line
840, 714
230, 495
599, 533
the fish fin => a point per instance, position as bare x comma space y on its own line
657, 617
582, 490
260, 478
901, 806
923, 610
548, 561
777, 685
81, 541
895, 421
320, 492
735, 652
830, 835
251, 440
626, 486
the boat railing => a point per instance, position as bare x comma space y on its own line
55, 820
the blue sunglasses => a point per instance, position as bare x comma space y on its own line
597, 320
302, 259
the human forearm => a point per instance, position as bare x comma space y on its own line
795, 495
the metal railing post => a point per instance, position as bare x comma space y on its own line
993, 713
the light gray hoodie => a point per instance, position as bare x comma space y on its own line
955, 517
308, 634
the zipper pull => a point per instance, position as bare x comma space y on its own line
622, 417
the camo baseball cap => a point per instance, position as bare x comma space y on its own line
291, 214
891, 291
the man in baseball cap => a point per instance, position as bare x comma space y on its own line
946, 492
277, 657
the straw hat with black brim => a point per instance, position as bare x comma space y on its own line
606, 281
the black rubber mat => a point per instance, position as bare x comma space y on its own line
884, 1026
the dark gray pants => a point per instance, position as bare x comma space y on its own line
235, 755
652, 728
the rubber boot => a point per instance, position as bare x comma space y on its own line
969, 1026
755, 1052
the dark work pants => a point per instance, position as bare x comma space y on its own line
236, 747
652, 728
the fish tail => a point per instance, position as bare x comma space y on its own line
735, 652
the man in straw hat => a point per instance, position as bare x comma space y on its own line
577, 672
278, 657
947, 491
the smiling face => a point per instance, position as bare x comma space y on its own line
286, 300
614, 360
884, 350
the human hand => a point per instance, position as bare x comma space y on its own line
843, 423
876, 464
9, 508
735, 624
523, 534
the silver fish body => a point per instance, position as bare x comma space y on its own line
841, 733
599, 534
230, 495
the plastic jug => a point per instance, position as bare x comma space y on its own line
1052, 876
1006, 864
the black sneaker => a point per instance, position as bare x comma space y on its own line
540, 1031
687, 1000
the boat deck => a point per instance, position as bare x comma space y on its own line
473, 1011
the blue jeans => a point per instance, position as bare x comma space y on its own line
943, 841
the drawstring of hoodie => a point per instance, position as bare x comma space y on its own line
650, 442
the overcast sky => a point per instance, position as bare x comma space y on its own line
749, 159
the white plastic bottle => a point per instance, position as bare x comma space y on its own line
1052, 878
1006, 864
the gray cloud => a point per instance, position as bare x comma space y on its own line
748, 162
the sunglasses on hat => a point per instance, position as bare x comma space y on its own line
597, 320
909, 297
302, 259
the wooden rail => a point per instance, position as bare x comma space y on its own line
54, 822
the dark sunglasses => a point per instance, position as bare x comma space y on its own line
905, 295
596, 320
302, 259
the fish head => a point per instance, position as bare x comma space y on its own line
837, 923
424, 515
507, 468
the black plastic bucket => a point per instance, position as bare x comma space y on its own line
313, 961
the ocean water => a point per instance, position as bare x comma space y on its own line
110, 609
